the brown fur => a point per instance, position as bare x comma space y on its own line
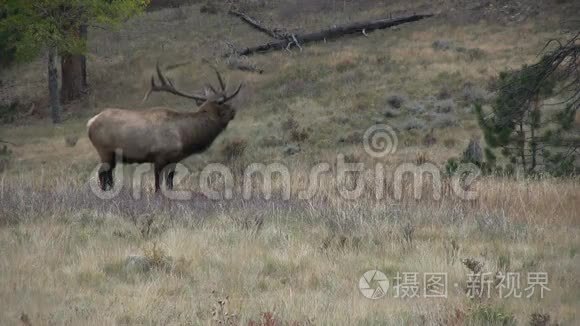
161, 136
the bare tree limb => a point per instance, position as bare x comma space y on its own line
257, 25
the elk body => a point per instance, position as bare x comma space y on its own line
161, 136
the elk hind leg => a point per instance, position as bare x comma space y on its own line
169, 172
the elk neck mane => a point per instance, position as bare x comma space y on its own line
199, 129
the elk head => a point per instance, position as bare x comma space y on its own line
213, 100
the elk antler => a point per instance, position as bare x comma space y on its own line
219, 77
234, 94
223, 87
167, 86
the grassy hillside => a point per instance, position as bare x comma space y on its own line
65, 255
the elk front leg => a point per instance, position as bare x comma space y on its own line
158, 170
106, 180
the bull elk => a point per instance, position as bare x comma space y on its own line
161, 136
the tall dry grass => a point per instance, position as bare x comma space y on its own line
64, 253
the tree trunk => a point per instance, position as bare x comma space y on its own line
72, 87
53, 85
523, 147
74, 75
84, 35
534, 124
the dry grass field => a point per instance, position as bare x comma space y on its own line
68, 257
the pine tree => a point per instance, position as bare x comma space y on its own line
55, 25
518, 126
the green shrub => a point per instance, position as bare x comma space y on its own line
490, 315
9, 112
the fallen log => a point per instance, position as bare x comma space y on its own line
361, 28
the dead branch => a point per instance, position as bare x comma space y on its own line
257, 25
360, 28
7, 142
177, 65
242, 64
